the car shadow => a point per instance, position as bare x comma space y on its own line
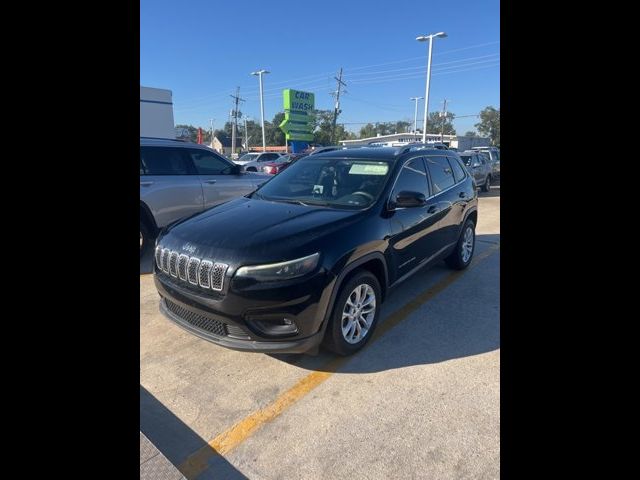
469, 324
174, 439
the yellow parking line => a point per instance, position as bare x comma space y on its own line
197, 462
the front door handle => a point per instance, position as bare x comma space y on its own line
145, 184
432, 209
463, 194
211, 182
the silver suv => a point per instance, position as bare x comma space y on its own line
178, 179
479, 165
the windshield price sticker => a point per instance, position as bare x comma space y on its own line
368, 169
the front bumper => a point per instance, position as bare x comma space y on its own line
222, 323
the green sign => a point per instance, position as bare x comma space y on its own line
298, 115
298, 101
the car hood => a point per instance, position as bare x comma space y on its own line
254, 230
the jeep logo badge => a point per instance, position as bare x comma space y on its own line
189, 248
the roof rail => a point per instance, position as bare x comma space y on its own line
165, 139
410, 146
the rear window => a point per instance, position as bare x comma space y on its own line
458, 171
441, 173
466, 159
163, 161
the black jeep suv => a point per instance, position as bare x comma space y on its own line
311, 254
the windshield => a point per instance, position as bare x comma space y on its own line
247, 157
339, 183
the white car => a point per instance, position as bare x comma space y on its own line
253, 162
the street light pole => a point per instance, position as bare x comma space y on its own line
259, 73
415, 115
424, 38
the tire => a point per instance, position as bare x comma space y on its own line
144, 237
251, 169
458, 260
487, 184
334, 338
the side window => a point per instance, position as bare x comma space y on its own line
458, 171
209, 164
497, 155
483, 159
441, 173
163, 161
267, 157
412, 178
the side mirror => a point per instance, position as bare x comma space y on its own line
406, 199
236, 170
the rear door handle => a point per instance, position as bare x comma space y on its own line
211, 182
432, 209
145, 184
463, 194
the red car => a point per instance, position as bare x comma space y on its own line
274, 168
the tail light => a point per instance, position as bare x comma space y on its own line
272, 169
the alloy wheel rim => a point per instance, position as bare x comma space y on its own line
467, 245
358, 313
141, 240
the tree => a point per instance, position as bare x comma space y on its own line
385, 128
273, 134
434, 124
490, 124
471, 133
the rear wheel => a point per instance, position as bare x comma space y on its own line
355, 314
252, 169
461, 257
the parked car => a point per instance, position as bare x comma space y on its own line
479, 166
311, 255
494, 157
253, 162
273, 168
178, 179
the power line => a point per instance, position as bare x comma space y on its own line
421, 67
363, 67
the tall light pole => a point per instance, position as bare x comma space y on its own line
415, 115
424, 38
259, 73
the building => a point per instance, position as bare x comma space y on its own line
156, 113
223, 145
452, 141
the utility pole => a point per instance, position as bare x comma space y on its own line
211, 123
336, 110
415, 115
246, 133
443, 114
234, 125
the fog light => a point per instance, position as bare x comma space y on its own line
272, 325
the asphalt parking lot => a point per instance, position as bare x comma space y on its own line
422, 400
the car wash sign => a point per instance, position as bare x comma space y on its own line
298, 115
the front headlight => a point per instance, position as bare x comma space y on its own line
282, 270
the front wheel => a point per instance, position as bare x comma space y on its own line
487, 184
461, 257
355, 314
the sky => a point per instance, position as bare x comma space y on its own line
202, 50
